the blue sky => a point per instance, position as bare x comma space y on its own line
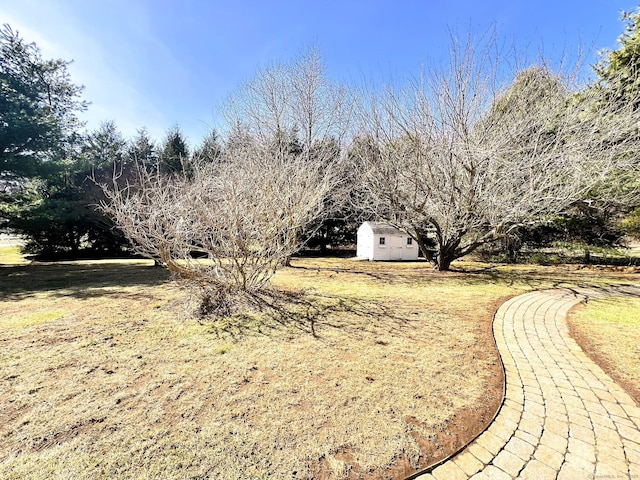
158, 63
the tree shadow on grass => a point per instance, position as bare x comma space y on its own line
75, 279
314, 314
287, 314
542, 277
533, 276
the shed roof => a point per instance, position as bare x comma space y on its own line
383, 228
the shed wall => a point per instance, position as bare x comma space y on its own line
395, 247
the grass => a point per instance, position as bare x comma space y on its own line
10, 255
378, 369
609, 330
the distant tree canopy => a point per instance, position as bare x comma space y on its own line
104, 147
619, 75
38, 105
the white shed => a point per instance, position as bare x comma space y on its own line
380, 241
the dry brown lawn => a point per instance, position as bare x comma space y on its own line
609, 331
381, 368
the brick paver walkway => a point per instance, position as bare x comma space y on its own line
563, 417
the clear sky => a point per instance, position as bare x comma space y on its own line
158, 63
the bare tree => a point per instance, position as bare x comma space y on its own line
293, 109
320, 109
294, 96
225, 230
456, 153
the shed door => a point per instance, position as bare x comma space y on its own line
396, 247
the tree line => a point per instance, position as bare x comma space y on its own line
466, 153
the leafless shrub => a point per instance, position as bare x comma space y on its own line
224, 230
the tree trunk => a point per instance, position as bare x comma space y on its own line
324, 233
447, 253
74, 236
444, 262
423, 248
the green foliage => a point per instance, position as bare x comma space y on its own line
619, 74
619, 70
630, 225
67, 224
59, 217
210, 149
38, 103
286, 142
52, 226
104, 147
529, 89
334, 232
174, 157
584, 232
238, 139
142, 150
586, 227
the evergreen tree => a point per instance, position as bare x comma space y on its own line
210, 149
61, 220
38, 105
142, 150
619, 75
239, 138
174, 157
619, 70
105, 147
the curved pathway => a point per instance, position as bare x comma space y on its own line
563, 417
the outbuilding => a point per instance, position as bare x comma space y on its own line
380, 241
